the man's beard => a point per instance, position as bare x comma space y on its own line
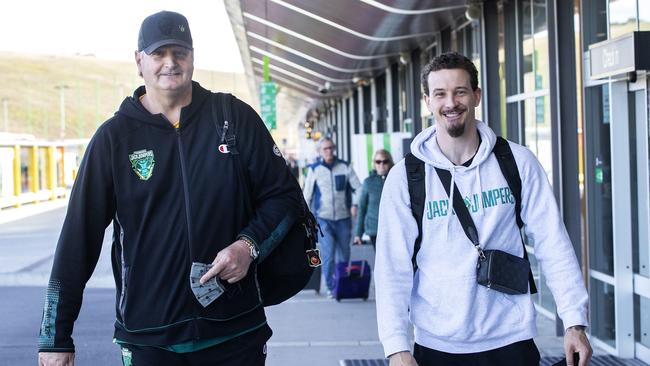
456, 130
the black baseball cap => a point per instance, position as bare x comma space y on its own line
164, 28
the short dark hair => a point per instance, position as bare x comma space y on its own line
446, 61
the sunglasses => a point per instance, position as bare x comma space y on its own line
386, 162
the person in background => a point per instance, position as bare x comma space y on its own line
369, 197
329, 191
293, 166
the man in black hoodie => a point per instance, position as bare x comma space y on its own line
184, 249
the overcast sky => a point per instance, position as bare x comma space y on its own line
109, 29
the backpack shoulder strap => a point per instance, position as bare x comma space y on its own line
415, 178
228, 128
509, 169
225, 126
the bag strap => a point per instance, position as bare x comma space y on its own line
459, 208
415, 179
508, 166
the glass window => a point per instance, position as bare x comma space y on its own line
622, 17
599, 180
642, 304
42, 167
603, 323
594, 22
60, 174
537, 129
534, 46
24, 169
380, 107
527, 45
502, 72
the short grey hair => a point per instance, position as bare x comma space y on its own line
323, 140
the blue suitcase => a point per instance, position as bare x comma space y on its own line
351, 280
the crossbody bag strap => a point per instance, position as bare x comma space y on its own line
460, 209
508, 166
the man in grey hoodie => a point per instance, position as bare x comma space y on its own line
456, 320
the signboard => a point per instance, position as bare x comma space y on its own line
620, 55
267, 103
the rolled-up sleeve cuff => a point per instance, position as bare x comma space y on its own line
394, 344
572, 318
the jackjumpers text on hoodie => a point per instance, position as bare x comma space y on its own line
450, 311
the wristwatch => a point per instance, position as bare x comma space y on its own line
252, 250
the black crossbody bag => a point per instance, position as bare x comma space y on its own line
495, 269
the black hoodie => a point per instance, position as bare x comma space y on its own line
174, 199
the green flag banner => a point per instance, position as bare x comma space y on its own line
267, 103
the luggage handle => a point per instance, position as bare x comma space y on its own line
348, 269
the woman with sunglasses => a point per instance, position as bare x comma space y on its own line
370, 195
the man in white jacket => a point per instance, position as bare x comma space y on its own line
329, 191
456, 320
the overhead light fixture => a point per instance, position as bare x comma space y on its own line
473, 12
359, 81
404, 58
325, 88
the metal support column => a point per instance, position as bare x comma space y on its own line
622, 220
373, 107
360, 109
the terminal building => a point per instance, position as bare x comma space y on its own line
567, 79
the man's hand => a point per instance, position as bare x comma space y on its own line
231, 264
353, 210
575, 340
55, 359
403, 358
357, 240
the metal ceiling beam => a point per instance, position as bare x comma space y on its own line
299, 67
316, 42
346, 29
394, 10
307, 57
293, 84
288, 73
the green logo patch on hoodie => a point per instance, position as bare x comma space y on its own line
142, 162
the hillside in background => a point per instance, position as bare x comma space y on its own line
93, 90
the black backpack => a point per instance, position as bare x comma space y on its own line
508, 165
288, 268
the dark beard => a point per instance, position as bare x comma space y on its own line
456, 131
